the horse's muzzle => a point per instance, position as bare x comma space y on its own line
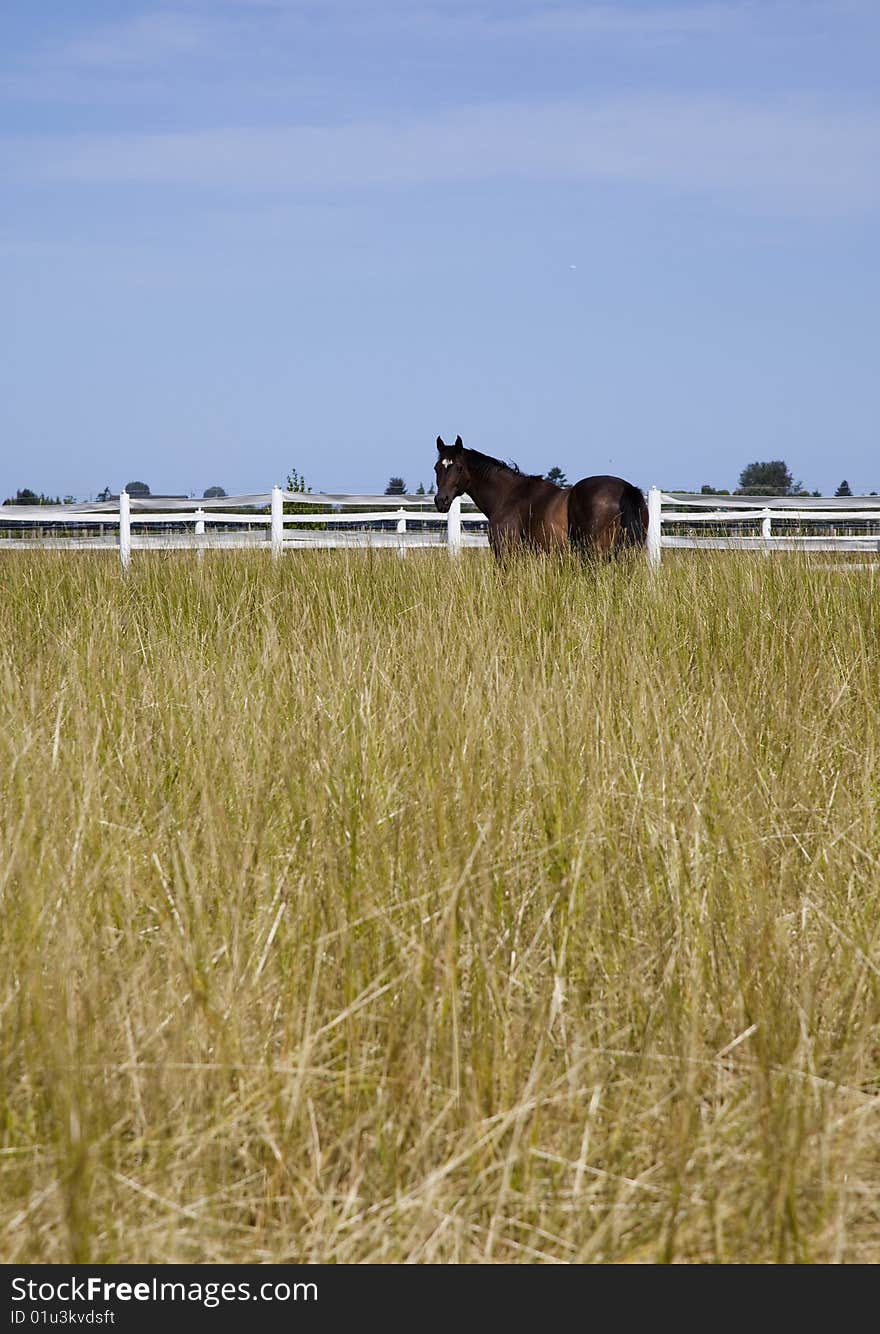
442, 503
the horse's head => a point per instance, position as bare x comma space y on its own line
452, 473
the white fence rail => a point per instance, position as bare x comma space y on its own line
256, 520
676, 520
762, 523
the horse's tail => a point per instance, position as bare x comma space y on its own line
633, 516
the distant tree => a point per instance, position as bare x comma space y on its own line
767, 479
213, 493
137, 488
28, 497
431, 489
557, 476
843, 489
396, 487
103, 495
420, 489
296, 482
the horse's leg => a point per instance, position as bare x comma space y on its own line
505, 542
548, 526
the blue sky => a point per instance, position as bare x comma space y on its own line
240, 236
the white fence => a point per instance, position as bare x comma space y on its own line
162, 523
762, 523
766, 524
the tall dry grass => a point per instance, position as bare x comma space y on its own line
365, 910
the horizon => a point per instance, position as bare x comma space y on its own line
410, 491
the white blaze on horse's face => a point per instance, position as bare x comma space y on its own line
449, 470
451, 473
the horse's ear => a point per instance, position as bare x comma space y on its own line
458, 442
440, 444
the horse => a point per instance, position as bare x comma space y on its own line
599, 516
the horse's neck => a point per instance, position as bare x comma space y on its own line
491, 491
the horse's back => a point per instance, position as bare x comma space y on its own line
605, 513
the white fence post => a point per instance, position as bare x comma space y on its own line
124, 529
655, 500
200, 532
277, 521
401, 528
766, 529
453, 527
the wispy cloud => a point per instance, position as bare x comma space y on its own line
633, 17
271, 119
145, 39
119, 61
792, 155
623, 20
211, 39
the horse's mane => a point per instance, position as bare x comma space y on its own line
484, 463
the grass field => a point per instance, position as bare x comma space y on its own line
367, 910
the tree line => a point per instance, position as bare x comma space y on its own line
769, 478
773, 478
25, 496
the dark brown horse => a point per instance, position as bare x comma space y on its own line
598, 515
